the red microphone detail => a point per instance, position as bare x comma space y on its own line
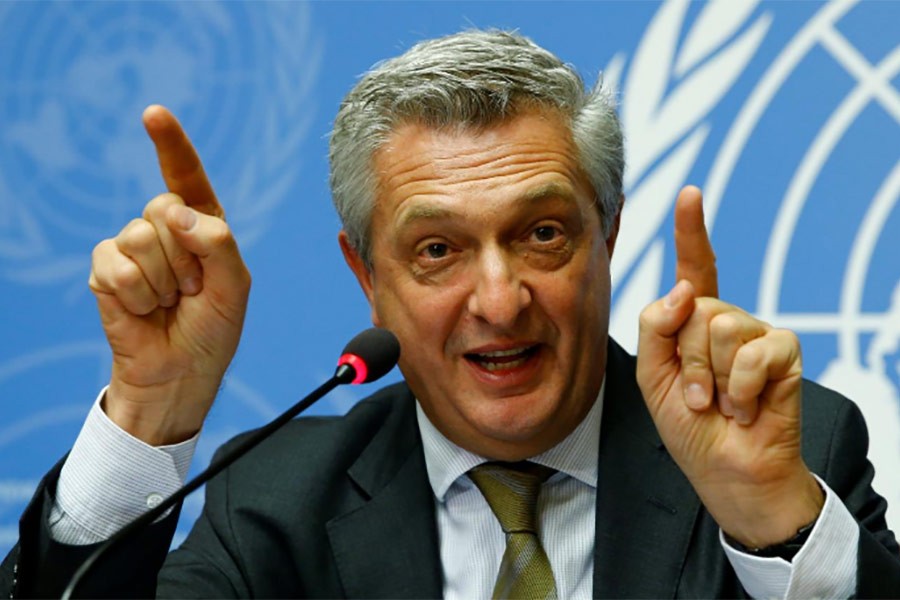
361, 371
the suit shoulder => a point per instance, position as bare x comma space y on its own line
832, 424
823, 408
330, 439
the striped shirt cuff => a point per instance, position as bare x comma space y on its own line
825, 567
110, 478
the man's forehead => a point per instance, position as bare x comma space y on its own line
541, 195
418, 150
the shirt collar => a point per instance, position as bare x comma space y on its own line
575, 456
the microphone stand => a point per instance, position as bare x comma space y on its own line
344, 374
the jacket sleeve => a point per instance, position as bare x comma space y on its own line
38, 567
850, 474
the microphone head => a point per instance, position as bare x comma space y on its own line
368, 356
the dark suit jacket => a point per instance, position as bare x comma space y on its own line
341, 507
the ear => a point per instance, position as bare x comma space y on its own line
364, 275
614, 231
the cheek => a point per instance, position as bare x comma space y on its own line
590, 278
579, 299
417, 312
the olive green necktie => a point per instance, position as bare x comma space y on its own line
511, 490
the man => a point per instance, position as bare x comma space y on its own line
479, 188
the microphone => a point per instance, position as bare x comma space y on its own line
367, 357
370, 355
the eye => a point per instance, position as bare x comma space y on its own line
436, 250
545, 233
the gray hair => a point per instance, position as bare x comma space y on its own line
470, 79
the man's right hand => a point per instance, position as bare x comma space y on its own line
172, 291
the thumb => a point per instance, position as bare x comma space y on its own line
660, 322
210, 239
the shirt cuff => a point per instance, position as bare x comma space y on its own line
110, 478
825, 567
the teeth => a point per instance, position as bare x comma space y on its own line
501, 353
503, 360
490, 366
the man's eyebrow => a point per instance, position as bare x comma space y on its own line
547, 191
423, 212
541, 193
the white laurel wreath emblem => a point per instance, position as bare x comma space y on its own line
285, 127
30, 252
667, 95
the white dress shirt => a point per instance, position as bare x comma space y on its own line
110, 477
472, 541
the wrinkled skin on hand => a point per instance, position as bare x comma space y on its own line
172, 292
723, 389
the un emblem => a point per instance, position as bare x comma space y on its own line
805, 181
75, 165
74, 162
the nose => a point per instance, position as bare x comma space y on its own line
499, 295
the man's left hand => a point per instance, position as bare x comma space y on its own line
724, 391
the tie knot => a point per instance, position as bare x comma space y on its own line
511, 490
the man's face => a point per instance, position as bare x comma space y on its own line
490, 265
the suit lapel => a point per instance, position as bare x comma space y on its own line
387, 546
646, 508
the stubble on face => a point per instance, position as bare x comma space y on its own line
490, 266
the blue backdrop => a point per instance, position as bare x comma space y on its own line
786, 113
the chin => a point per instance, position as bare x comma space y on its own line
515, 424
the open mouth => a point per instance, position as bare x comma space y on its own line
502, 360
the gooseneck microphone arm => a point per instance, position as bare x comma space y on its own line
367, 357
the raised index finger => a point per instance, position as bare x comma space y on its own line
696, 260
178, 161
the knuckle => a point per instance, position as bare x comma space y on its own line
724, 326
647, 319
138, 304
124, 231
138, 236
788, 337
102, 258
653, 314
749, 357
696, 373
791, 343
245, 278
220, 233
156, 208
644, 318
126, 274
93, 282
692, 359
705, 309
102, 250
